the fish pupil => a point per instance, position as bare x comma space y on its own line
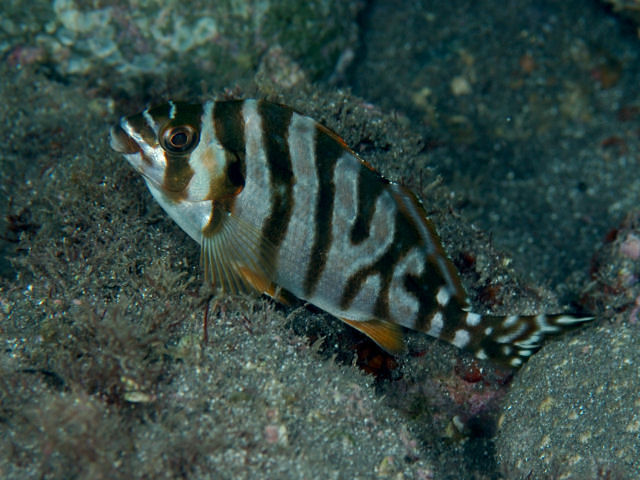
179, 139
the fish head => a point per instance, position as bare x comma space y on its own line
172, 148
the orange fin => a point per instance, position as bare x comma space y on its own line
386, 334
262, 284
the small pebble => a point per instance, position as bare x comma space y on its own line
630, 248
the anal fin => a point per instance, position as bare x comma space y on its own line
386, 334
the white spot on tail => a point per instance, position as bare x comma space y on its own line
473, 320
461, 338
511, 320
435, 327
443, 296
570, 320
510, 337
543, 325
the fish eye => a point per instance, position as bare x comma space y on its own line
180, 139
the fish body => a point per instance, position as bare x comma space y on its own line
281, 205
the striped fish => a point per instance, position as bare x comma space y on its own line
280, 205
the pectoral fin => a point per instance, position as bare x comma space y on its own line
236, 258
386, 334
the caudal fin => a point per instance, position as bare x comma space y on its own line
512, 339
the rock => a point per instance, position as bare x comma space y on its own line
574, 410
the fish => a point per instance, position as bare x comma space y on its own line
281, 206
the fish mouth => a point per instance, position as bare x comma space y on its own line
121, 141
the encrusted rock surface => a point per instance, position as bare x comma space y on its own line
574, 410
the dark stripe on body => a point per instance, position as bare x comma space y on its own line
424, 287
228, 123
404, 238
177, 176
370, 185
327, 152
178, 173
275, 128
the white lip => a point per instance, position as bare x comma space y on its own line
123, 139
146, 160
115, 143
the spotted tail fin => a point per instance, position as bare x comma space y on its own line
512, 339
